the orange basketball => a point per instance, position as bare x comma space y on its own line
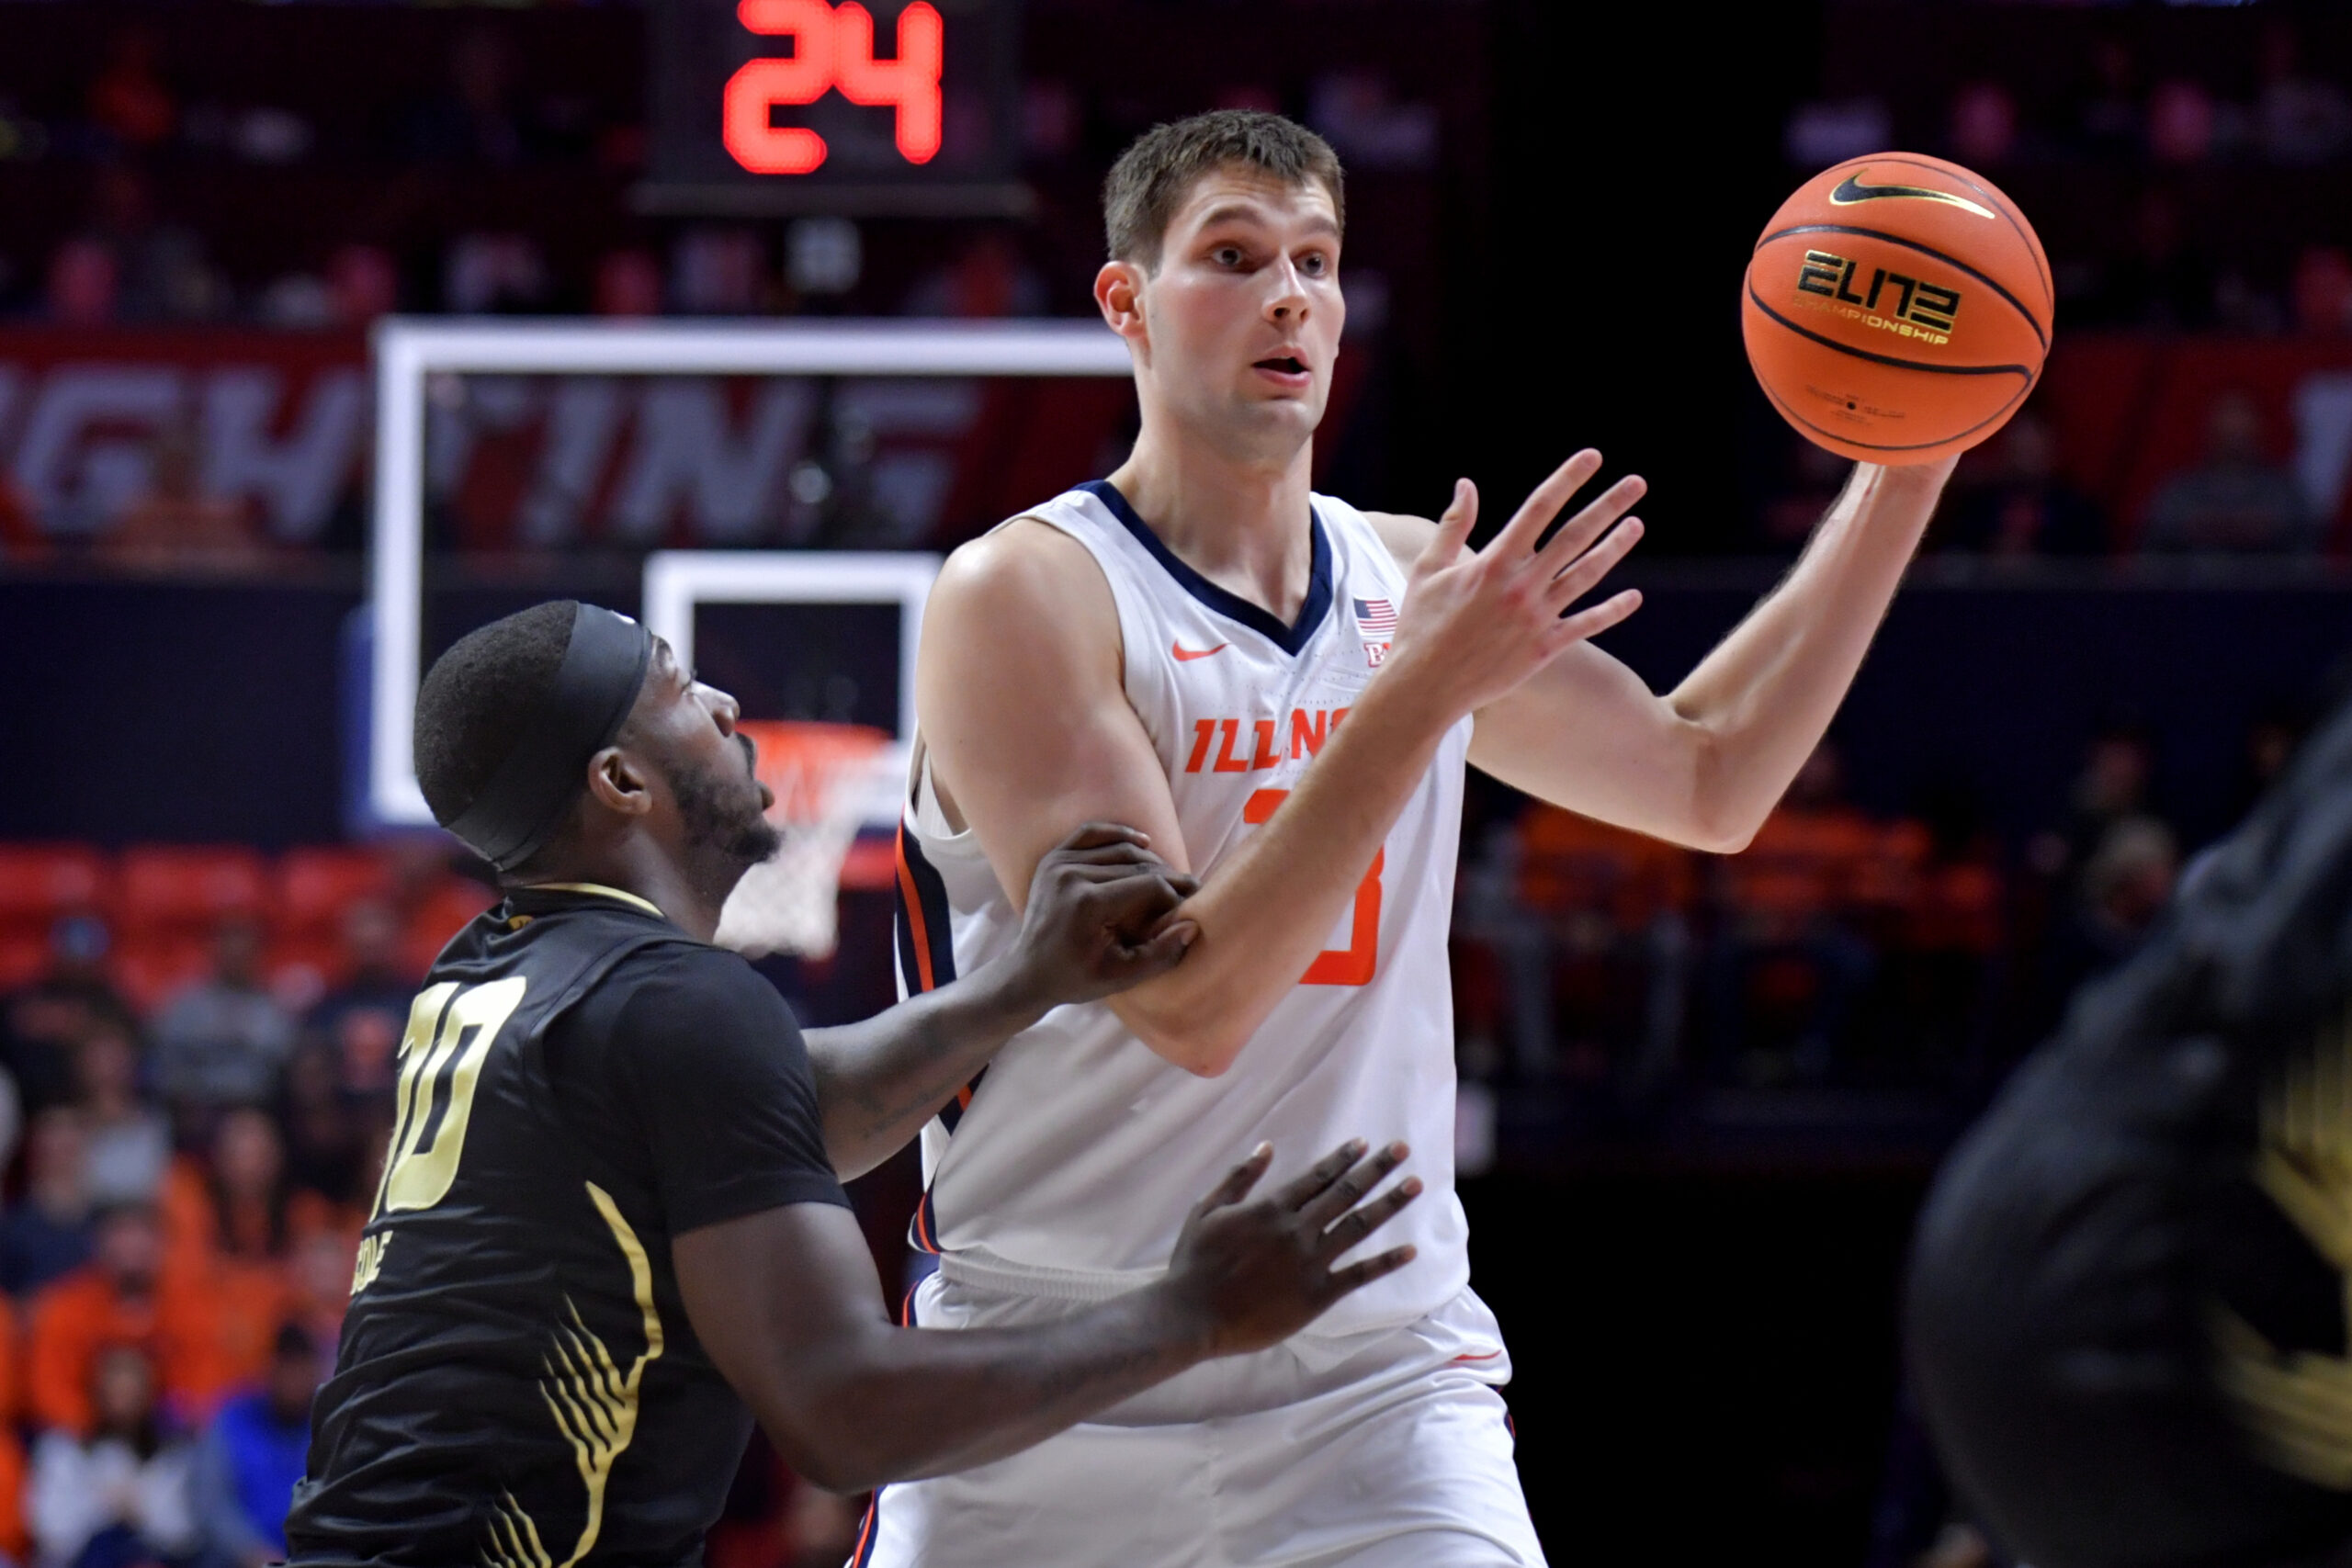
1897, 308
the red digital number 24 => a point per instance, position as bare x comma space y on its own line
1355, 964
832, 48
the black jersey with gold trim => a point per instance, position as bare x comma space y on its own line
517, 1385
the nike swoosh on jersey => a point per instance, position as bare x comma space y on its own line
1186, 655
1853, 190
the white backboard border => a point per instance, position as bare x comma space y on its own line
409, 350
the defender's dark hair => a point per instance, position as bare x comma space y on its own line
477, 696
1148, 182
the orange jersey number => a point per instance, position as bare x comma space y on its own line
1355, 964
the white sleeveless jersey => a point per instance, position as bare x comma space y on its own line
1069, 1167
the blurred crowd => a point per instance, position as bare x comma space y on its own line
2010, 500
198, 1061
1615, 976
2136, 127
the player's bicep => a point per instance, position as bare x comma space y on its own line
1585, 733
778, 1299
1022, 707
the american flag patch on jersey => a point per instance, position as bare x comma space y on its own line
1376, 617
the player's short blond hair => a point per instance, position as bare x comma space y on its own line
1151, 178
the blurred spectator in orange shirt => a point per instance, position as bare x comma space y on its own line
1788, 946
232, 1226
47, 1233
117, 1299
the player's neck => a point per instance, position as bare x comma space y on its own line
640, 869
1242, 524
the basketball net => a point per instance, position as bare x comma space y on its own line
828, 778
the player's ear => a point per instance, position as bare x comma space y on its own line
617, 780
1119, 294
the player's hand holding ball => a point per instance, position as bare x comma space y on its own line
1247, 1275
1476, 624
1897, 308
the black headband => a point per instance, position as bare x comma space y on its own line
603, 667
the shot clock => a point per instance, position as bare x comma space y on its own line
864, 107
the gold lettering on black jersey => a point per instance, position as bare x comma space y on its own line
2299, 1403
448, 1037
370, 1262
594, 1405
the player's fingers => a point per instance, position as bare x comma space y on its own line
1329, 1169
1453, 527
1121, 859
1237, 1182
1591, 623
1543, 504
1359, 1223
1119, 881
1162, 950
1133, 901
1094, 835
1576, 534
1347, 1191
1596, 563
1356, 1276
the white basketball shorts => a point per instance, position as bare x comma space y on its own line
1381, 1451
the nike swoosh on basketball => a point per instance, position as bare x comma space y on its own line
1186, 655
1853, 190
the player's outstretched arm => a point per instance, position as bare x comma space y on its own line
1025, 713
1096, 922
786, 1303
1704, 765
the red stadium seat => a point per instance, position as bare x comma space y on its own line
41, 882
24, 957
316, 885
151, 968
188, 889
437, 917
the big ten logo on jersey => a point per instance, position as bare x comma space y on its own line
1260, 745
1920, 311
832, 50
1376, 624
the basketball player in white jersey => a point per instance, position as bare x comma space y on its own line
1282, 692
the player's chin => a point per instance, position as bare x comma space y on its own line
756, 841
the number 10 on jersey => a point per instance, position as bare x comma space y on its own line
450, 1033
1355, 963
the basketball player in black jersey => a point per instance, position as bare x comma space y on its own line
609, 1231
2129, 1301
